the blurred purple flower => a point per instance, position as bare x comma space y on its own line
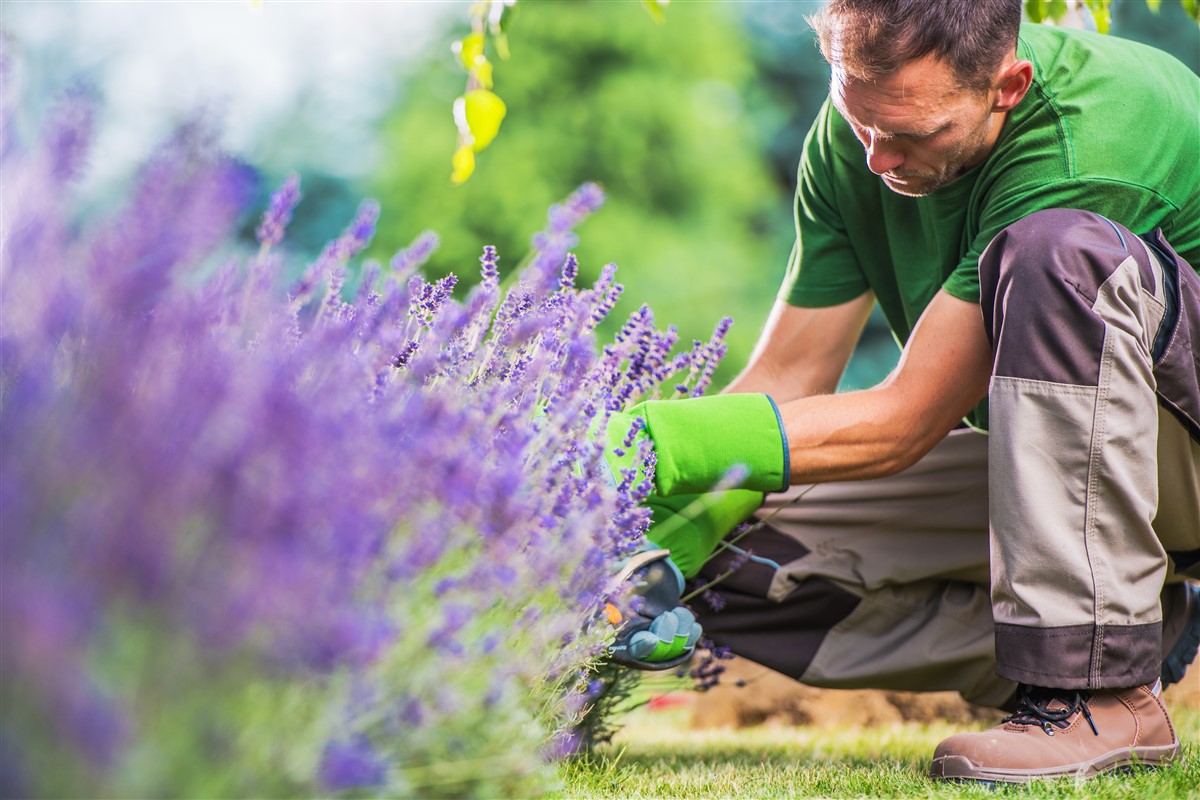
69, 132
215, 484
407, 261
552, 244
279, 213
352, 765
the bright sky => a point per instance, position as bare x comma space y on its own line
293, 81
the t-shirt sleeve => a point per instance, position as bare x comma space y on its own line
1117, 200
823, 269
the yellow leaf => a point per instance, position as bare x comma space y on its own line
1099, 9
463, 164
469, 50
484, 113
655, 9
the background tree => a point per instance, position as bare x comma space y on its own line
664, 117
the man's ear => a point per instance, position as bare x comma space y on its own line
1011, 84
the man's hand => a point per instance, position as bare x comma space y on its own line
659, 633
698, 442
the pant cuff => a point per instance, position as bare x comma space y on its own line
1080, 656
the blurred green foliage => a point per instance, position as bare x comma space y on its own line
1106, 16
1166, 24
657, 114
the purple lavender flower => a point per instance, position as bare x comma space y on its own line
489, 271
570, 271
706, 671
733, 478
352, 765
279, 213
409, 260
551, 245
69, 132
639, 424
336, 253
713, 600
713, 353
455, 616
209, 483
401, 359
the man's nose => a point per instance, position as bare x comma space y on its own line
882, 156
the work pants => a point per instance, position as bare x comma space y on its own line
1035, 554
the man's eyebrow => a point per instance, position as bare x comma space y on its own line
913, 134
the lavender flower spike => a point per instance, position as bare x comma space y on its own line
585, 200
358, 235
69, 133
411, 258
551, 245
489, 271
570, 272
279, 213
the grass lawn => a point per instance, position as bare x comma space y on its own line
658, 755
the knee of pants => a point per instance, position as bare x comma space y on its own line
1039, 281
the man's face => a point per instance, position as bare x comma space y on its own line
919, 128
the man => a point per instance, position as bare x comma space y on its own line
1007, 173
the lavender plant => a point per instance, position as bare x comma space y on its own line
261, 539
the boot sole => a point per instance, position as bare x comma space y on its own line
962, 769
1183, 652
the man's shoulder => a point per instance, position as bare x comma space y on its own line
1073, 61
1101, 108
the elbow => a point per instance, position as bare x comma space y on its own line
900, 456
897, 456
909, 438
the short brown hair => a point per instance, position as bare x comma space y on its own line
870, 39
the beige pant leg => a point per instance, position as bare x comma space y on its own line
913, 548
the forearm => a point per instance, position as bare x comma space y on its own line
943, 373
855, 435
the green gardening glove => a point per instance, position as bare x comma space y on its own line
691, 525
700, 440
696, 443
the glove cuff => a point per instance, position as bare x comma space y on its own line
698, 441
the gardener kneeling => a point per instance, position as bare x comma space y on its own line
1014, 511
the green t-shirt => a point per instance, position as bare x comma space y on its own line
1109, 126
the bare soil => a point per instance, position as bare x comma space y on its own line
750, 694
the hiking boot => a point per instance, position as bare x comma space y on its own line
1061, 733
1181, 630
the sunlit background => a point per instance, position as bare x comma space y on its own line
693, 128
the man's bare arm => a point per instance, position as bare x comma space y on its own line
803, 351
942, 374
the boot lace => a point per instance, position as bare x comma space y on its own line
1033, 708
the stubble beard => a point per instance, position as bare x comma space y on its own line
958, 164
